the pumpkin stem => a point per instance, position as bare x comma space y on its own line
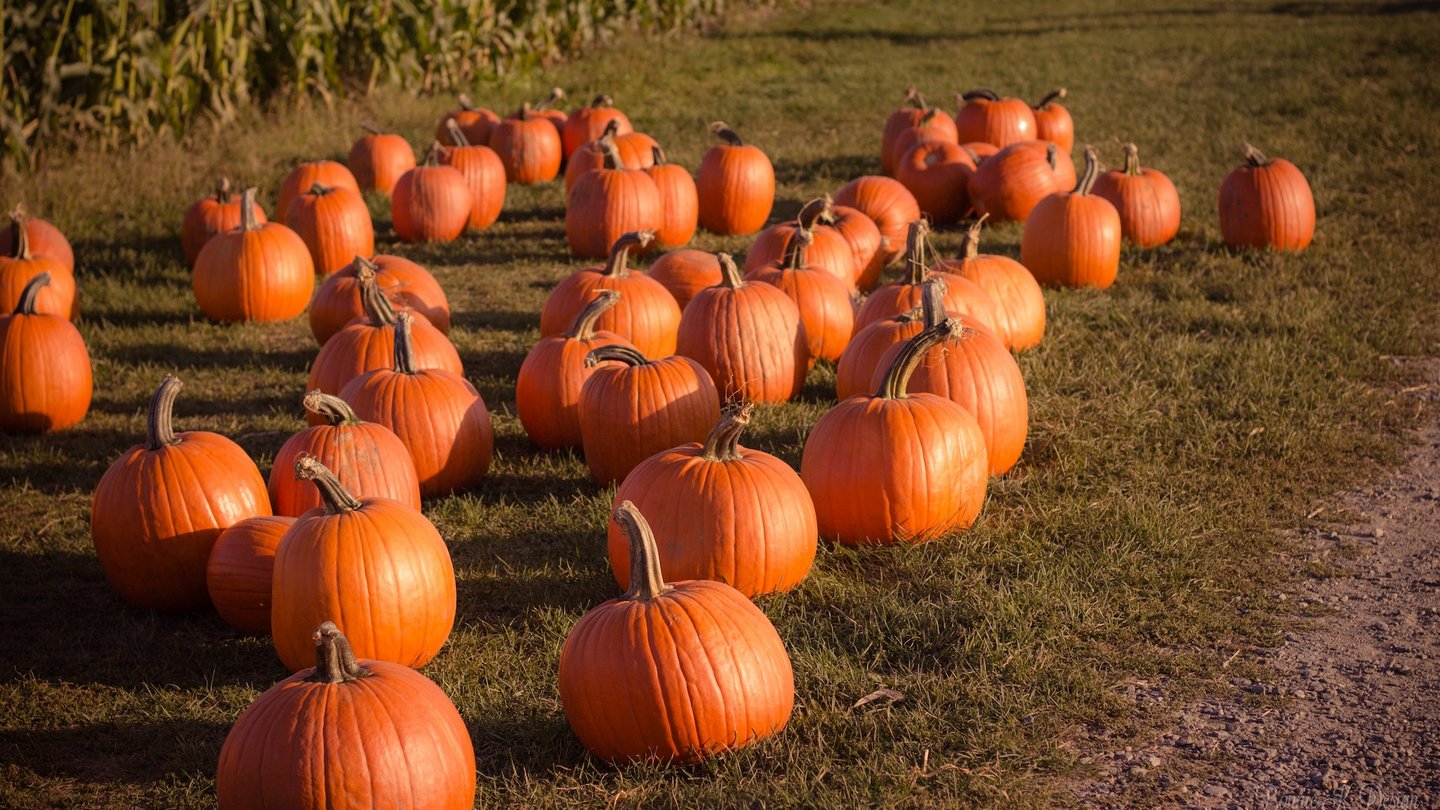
974, 158
913, 98
610, 153
377, 308
915, 250
334, 410
932, 300
602, 100
795, 253
524, 112
1092, 171
730, 277
222, 191
247, 210
658, 155
456, 133
970, 246
466, 104
1052, 156
625, 354
334, 657
722, 443
811, 213
19, 234
160, 421
545, 103
1254, 158
827, 211
337, 498
722, 130
404, 344
583, 327
647, 581
979, 92
1058, 92
612, 128
320, 189
618, 264
432, 155
1132, 159
31, 294
372, 127
928, 117
897, 377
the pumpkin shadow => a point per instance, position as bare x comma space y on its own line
529, 742
174, 750
825, 172
170, 356
506, 320
68, 461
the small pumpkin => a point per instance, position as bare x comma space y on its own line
827, 249
431, 202
405, 284
679, 201
45, 375
588, 123
912, 114
855, 371
1008, 184
890, 205
484, 176
686, 272
256, 272
865, 241
986, 117
529, 147
1053, 122
826, 309
209, 216
609, 202
1266, 203
45, 239
240, 571
476, 123
1019, 303
334, 224
736, 185
1072, 239
545, 108
938, 174
637, 151
932, 128
1146, 200
20, 266
378, 159
647, 314
306, 175
962, 296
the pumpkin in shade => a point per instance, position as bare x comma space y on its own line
1008, 184
240, 570
1266, 203
637, 151
634, 408
159, 508
45, 239
20, 265
938, 174
369, 459
431, 202
45, 378
255, 272
209, 216
686, 272
438, 415
347, 734
377, 562
608, 202
377, 159
826, 309
335, 225
890, 205
647, 314
980, 150
547, 392
736, 185
723, 512
748, 336
896, 467
679, 201
476, 123
865, 241
855, 371
826, 249
484, 177
405, 284
306, 175
910, 116
672, 672
529, 147
986, 117
1146, 200
1072, 239
589, 123
1053, 122
1019, 313
962, 296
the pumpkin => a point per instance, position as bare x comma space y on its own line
855, 371
369, 459
431, 202
406, 284
686, 272
962, 296
1266, 203
721, 511
1053, 122
484, 177
45, 239
635, 408
826, 309
439, 416
890, 205
973, 368
159, 508
938, 174
1146, 200
1072, 239
932, 128
547, 391
377, 160
590, 122
347, 734
529, 147
1019, 305
375, 561
980, 150
545, 108
239, 572
609, 202
256, 272
20, 265
637, 151
1008, 184
672, 672
827, 249
679, 201
896, 467
306, 175
209, 216
736, 185
986, 117
45, 378
647, 314
865, 241
476, 123
912, 115
334, 224
748, 336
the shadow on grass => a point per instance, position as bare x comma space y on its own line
170, 355
134, 753
836, 169
508, 320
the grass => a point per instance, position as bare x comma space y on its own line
1178, 419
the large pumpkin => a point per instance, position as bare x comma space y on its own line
405, 284
241, 570
866, 243
986, 117
938, 174
685, 272
827, 248
1266, 203
587, 123
1053, 122
529, 147
209, 216
893, 208
484, 177
378, 159
256, 272
1146, 200
335, 225
962, 296
476, 123
647, 314
431, 202
679, 201
1019, 304
827, 310
608, 202
1072, 239
306, 175
20, 265
736, 185
45, 376
45, 239
1008, 184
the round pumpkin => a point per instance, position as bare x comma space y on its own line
891, 206
647, 314
679, 202
256, 272
588, 123
827, 249
209, 216
45, 376
45, 239
240, 571
306, 175
20, 266
855, 371
1019, 304
476, 123
637, 151
378, 159
865, 241
938, 174
1053, 122
961, 295
431, 202
1072, 239
609, 202
827, 311
1266, 203
484, 177
529, 147
1146, 200
910, 116
686, 272
986, 117
1008, 184
334, 224
736, 185
934, 127
405, 284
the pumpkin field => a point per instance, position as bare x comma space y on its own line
987, 578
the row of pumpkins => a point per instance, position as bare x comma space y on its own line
633, 367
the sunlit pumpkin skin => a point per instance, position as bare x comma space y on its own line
865, 240
369, 459
484, 177
431, 202
159, 508
406, 285
438, 415
1008, 184
529, 147
673, 672
985, 116
637, 151
209, 216
588, 123
911, 115
476, 123
378, 159
748, 336
1019, 303
635, 408
348, 734
239, 572
934, 127
1053, 122
1266, 203
547, 391
961, 295
723, 512
304, 177
855, 371
376, 562
826, 309
1146, 200
45, 375
1072, 239
891, 206
45, 239
827, 249
647, 314
20, 265
938, 174
256, 272
335, 225
736, 185
608, 202
896, 467
686, 272
980, 150
679, 202
558, 118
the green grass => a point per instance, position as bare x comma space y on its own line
1178, 419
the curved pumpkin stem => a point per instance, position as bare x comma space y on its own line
31, 294
1057, 93
610, 153
404, 344
432, 155
624, 354
897, 377
658, 155
970, 246
722, 443
334, 657
222, 191
524, 112
247, 210
1092, 172
795, 253
1254, 158
545, 103
730, 276
1052, 156
19, 234
980, 92
1132, 159
601, 100
334, 410
647, 581
827, 212
337, 498
913, 97
618, 264
456, 133
927, 117
915, 240
160, 421
372, 127
466, 104
377, 307
974, 158
812, 212
612, 128
722, 130
583, 327
932, 300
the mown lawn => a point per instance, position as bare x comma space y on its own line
1178, 419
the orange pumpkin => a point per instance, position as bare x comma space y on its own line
1008, 184
45, 239
405, 284
334, 224
476, 123
21, 265
891, 206
1266, 203
938, 174
1146, 200
306, 175
209, 216
558, 118
431, 202
590, 122
378, 159
239, 572
961, 295
1053, 122
256, 272
827, 249
686, 272
934, 127
529, 147
736, 185
1072, 239
609, 202
986, 117
484, 177
865, 241
855, 371
637, 151
905, 120
647, 314
679, 202
1019, 304
45, 378
826, 309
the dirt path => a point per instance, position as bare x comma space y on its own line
1350, 713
